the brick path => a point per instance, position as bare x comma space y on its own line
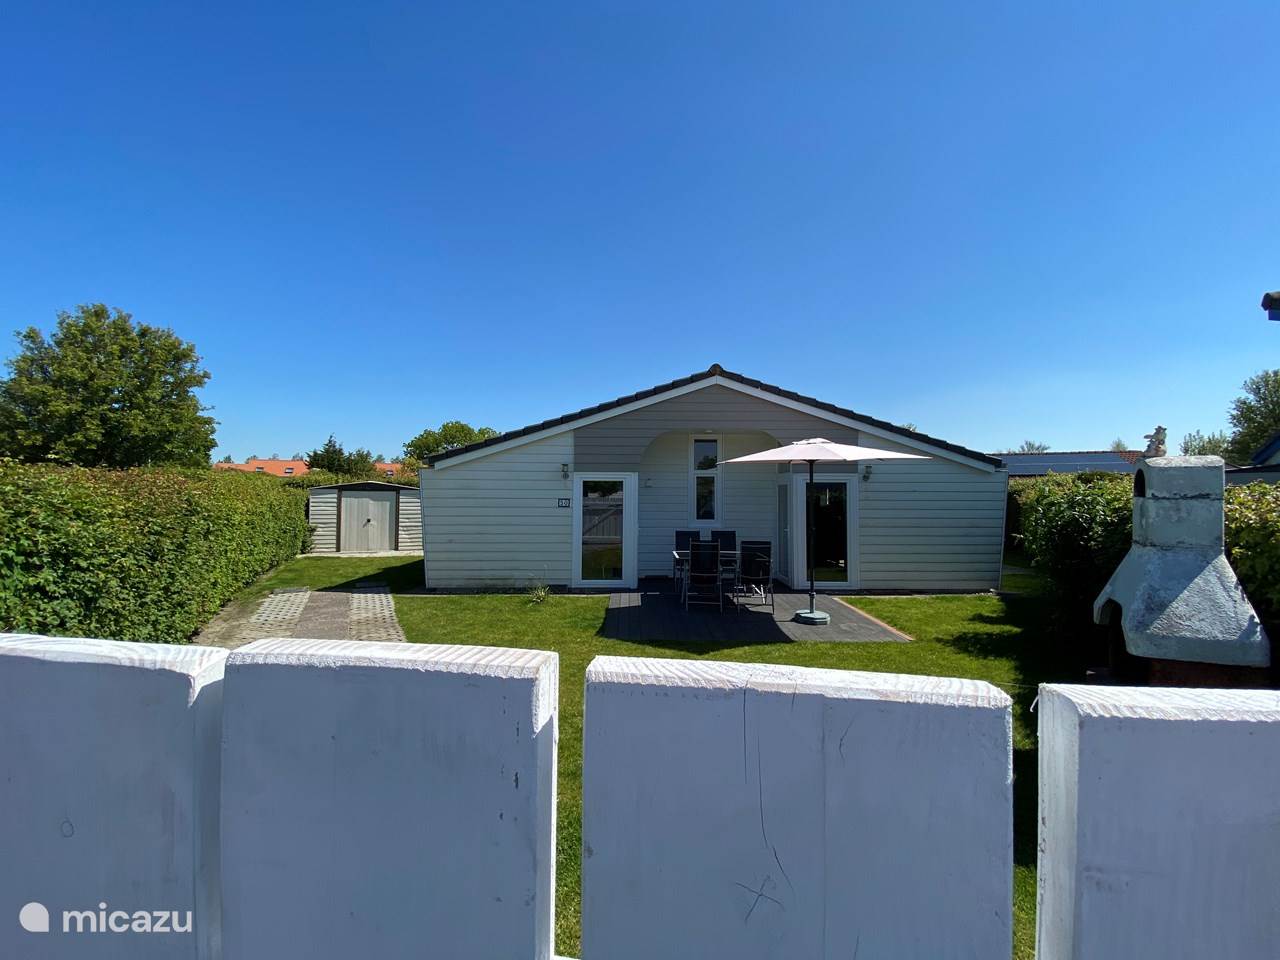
365, 612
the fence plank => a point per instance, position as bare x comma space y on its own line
754, 811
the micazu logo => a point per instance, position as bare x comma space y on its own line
34, 918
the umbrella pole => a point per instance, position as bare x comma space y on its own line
812, 615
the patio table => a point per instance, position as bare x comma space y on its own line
682, 556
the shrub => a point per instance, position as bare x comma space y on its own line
1253, 545
323, 478
146, 554
1078, 527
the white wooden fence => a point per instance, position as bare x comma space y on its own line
320, 799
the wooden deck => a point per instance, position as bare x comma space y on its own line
654, 614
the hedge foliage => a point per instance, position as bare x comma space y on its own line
1253, 545
1078, 527
324, 478
147, 554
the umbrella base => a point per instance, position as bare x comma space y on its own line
815, 617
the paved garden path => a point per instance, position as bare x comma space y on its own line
364, 612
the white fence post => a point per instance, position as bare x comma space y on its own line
109, 757
388, 800
750, 811
1159, 823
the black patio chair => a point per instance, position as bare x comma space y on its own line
702, 581
678, 567
755, 571
728, 539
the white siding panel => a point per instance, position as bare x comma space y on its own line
323, 516
930, 525
410, 521
664, 501
494, 522
619, 442
750, 491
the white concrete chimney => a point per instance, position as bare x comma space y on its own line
1178, 598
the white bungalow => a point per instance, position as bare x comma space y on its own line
594, 498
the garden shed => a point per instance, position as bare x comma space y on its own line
365, 517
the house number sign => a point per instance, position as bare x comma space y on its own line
564, 502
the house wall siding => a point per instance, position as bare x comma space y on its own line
410, 521
748, 495
619, 442
494, 521
323, 516
930, 525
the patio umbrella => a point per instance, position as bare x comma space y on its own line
814, 451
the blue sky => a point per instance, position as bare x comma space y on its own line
998, 221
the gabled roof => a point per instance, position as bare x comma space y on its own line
1071, 461
715, 373
1266, 451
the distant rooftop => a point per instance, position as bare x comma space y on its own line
1070, 461
289, 468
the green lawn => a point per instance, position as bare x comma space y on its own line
320, 572
1002, 639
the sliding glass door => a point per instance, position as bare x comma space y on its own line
835, 524
829, 501
604, 533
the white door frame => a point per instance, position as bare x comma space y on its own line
785, 556
630, 529
800, 529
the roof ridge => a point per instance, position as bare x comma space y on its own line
716, 370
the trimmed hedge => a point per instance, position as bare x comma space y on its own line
1253, 546
1078, 527
147, 554
325, 478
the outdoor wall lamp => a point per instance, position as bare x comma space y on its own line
866, 472
564, 471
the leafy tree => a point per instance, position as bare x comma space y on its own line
226, 459
1255, 417
334, 459
104, 391
1197, 444
1029, 446
448, 436
1118, 445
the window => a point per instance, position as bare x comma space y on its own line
706, 456
259, 469
288, 470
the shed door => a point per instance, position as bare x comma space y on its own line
368, 520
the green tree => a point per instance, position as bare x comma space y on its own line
1118, 445
1255, 417
1197, 444
448, 436
334, 459
226, 459
103, 391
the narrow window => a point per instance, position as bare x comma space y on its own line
288, 470
706, 455
258, 469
